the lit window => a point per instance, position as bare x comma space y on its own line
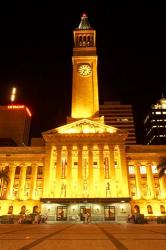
143, 170
158, 112
131, 169
154, 170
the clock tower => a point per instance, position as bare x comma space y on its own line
85, 100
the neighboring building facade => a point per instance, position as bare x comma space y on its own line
14, 125
85, 164
155, 124
120, 116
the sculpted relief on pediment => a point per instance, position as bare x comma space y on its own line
85, 127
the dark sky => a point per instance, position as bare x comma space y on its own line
36, 47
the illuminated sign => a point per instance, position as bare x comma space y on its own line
20, 107
16, 106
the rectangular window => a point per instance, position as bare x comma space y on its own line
154, 170
131, 170
143, 170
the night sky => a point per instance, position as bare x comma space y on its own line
36, 44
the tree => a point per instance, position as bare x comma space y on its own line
4, 180
162, 167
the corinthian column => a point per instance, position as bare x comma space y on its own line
80, 171
33, 181
162, 188
112, 171
58, 171
138, 180
22, 182
48, 170
150, 180
12, 169
124, 172
69, 166
101, 167
90, 172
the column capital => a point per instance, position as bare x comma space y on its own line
148, 164
35, 164
59, 147
90, 147
23, 165
79, 147
111, 147
69, 147
101, 147
137, 164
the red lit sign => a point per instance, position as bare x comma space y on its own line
20, 107
15, 106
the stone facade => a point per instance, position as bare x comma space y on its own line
84, 165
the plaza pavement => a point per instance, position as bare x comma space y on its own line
82, 236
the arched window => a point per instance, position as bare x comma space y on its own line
35, 209
88, 42
80, 40
149, 209
162, 209
136, 209
23, 210
84, 40
10, 210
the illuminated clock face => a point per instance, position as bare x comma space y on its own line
84, 70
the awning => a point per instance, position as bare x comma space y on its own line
85, 200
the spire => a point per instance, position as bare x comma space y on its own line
84, 24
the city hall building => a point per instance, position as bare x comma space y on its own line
85, 164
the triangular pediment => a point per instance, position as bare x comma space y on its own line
84, 126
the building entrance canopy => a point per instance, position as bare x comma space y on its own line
85, 200
97, 209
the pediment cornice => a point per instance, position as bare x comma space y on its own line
84, 128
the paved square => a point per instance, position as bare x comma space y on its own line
83, 237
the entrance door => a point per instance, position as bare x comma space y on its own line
61, 213
109, 213
83, 210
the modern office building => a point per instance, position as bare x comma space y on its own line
14, 125
84, 165
155, 124
120, 116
